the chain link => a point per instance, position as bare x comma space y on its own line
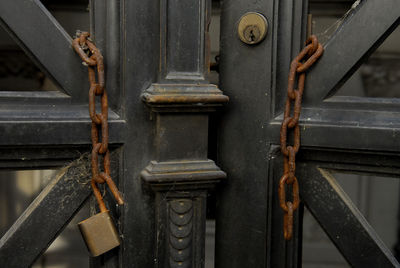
92, 57
310, 54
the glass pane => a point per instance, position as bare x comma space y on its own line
71, 14
379, 75
17, 71
68, 250
378, 200
17, 190
318, 250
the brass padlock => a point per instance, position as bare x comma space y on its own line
99, 231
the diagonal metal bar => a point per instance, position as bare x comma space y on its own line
342, 221
361, 33
45, 218
43, 38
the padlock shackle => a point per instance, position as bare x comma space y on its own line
112, 187
98, 196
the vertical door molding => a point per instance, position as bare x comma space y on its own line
180, 102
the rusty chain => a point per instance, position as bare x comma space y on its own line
93, 59
304, 60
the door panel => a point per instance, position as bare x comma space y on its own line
350, 133
52, 129
152, 58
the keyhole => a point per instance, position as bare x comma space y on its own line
252, 28
252, 36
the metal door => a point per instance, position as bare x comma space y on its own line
157, 59
338, 134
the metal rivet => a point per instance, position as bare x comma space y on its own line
252, 28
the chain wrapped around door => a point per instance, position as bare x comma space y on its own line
99, 232
310, 54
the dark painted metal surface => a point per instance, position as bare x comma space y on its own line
255, 80
47, 129
139, 41
180, 172
54, 132
105, 23
242, 202
184, 40
330, 206
138, 69
375, 129
106, 29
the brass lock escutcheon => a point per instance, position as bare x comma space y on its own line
252, 28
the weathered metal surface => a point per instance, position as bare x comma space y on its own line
359, 125
313, 51
138, 71
43, 129
44, 219
254, 78
246, 77
376, 127
53, 130
347, 160
180, 172
182, 175
181, 241
284, 254
183, 55
180, 230
201, 96
188, 99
